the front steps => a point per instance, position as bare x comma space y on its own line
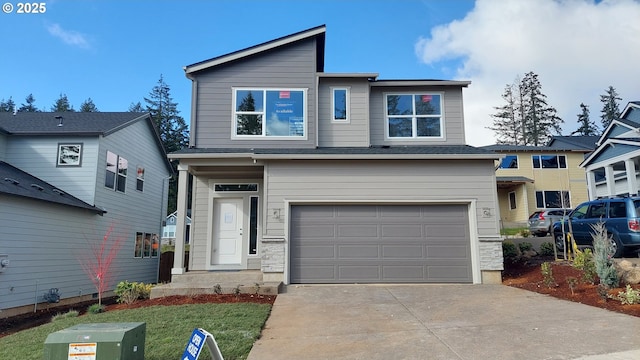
217, 282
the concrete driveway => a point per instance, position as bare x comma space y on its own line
440, 322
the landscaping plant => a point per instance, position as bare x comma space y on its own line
584, 262
546, 249
547, 274
602, 256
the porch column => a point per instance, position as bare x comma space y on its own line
181, 219
632, 182
611, 181
591, 185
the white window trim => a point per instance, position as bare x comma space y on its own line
515, 200
539, 156
517, 162
414, 121
347, 90
264, 136
544, 199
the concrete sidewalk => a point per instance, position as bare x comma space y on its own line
440, 322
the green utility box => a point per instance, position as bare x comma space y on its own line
105, 341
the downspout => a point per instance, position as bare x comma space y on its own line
194, 105
317, 90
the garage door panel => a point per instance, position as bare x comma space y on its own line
403, 251
358, 252
380, 243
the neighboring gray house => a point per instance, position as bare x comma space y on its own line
65, 178
613, 168
315, 177
169, 229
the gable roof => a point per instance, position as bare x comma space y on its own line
576, 142
16, 182
76, 124
317, 32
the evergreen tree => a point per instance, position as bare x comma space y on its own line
173, 130
507, 121
88, 106
539, 118
586, 126
28, 107
249, 124
7, 106
527, 118
137, 107
610, 109
62, 104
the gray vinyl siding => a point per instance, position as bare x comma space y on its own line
352, 133
200, 215
292, 66
453, 115
38, 156
3, 146
44, 251
381, 181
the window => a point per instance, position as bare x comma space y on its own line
253, 226
549, 161
140, 178
553, 199
340, 104
235, 187
597, 210
512, 200
617, 209
580, 212
138, 247
155, 245
509, 162
269, 113
147, 245
69, 155
414, 115
116, 174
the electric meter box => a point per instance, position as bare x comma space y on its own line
103, 341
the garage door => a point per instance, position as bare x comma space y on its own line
380, 244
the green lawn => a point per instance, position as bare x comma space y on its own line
234, 326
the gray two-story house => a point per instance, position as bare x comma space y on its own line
316, 177
67, 180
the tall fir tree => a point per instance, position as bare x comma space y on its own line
610, 108
88, 106
29, 106
62, 104
249, 124
174, 133
540, 118
526, 118
137, 107
586, 126
507, 121
8, 106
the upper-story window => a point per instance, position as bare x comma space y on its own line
509, 162
414, 115
269, 113
549, 161
116, 174
340, 104
140, 178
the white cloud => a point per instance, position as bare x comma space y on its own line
577, 47
69, 37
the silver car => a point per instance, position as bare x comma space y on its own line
541, 222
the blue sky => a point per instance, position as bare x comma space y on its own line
115, 51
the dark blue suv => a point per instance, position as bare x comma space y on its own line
621, 216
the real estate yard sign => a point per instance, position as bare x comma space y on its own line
197, 340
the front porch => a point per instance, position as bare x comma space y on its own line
217, 282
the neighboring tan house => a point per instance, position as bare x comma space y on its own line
315, 177
531, 178
169, 229
613, 169
65, 179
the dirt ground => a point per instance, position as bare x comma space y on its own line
528, 275
22, 322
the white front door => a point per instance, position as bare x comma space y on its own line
227, 231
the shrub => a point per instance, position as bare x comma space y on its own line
602, 251
525, 246
629, 296
96, 309
547, 274
546, 249
525, 233
584, 261
68, 314
129, 292
572, 282
509, 249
